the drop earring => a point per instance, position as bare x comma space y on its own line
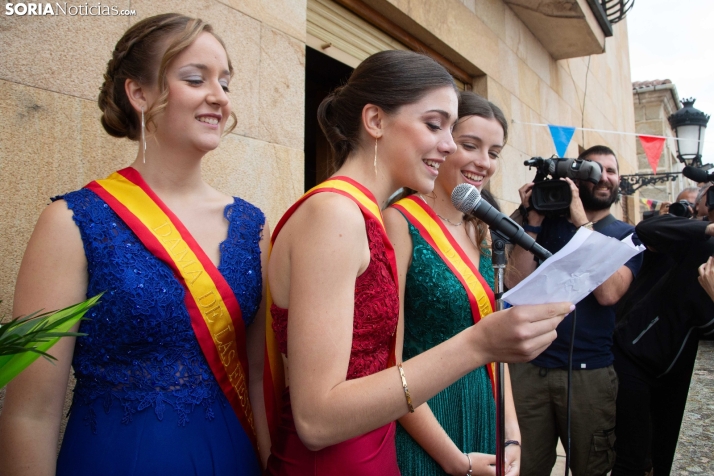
143, 137
375, 155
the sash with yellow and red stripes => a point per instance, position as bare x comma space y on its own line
274, 376
434, 232
212, 306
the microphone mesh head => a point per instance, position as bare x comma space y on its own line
465, 197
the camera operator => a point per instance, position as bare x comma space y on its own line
687, 198
700, 204
540, 386
659, 321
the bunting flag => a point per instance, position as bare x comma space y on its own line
653, 149
561, 138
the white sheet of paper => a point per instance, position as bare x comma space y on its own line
582, 265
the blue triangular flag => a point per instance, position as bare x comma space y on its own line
561, 138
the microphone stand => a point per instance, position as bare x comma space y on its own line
498, 256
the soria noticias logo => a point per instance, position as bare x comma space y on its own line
65, 8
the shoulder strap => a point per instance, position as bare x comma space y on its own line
604, 223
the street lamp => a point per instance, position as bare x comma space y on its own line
689, 125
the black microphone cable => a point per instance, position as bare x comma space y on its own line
570, 390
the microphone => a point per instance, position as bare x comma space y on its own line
467, 199
697, 174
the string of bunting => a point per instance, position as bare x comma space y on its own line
562, 135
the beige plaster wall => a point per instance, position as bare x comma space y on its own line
530, 86
51, 141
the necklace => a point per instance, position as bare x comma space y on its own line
445, 219
450, 222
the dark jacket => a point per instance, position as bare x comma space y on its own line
666, 306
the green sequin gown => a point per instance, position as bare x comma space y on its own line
436, 308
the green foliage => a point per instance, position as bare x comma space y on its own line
24, 339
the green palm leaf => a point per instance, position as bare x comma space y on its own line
24, 339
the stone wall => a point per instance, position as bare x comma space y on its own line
530, 86
51, 141
524, 79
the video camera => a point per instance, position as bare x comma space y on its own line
551, 197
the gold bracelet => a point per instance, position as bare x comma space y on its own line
406, 389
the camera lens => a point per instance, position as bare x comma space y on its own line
554, 195
680, 209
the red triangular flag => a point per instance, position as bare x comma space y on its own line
653, 149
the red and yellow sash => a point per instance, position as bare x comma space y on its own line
432, 229
274, 377
213, 307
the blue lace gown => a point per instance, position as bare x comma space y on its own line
146, 401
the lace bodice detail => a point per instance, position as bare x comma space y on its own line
140, 350
436, 306
376, 312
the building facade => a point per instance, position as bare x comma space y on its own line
654, 102
542, 62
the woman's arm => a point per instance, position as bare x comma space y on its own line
53, 275
398, 233
255, 341
329, 409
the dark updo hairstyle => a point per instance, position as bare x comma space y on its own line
388, 79
143, 54
471, 104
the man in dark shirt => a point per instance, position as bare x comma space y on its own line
540, 386
659, 322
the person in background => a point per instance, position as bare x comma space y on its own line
659, 323
169, 373
540, 386
334, 280
689, 194
700, 205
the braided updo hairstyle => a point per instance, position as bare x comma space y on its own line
143, 54
388, 79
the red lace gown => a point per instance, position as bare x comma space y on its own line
375, 319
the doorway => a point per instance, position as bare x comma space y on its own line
322, 75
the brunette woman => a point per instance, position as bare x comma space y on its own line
448, 288
333, 267
174, 349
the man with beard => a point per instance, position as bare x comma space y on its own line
540, 386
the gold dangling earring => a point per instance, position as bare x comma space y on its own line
375, 155
143, 137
